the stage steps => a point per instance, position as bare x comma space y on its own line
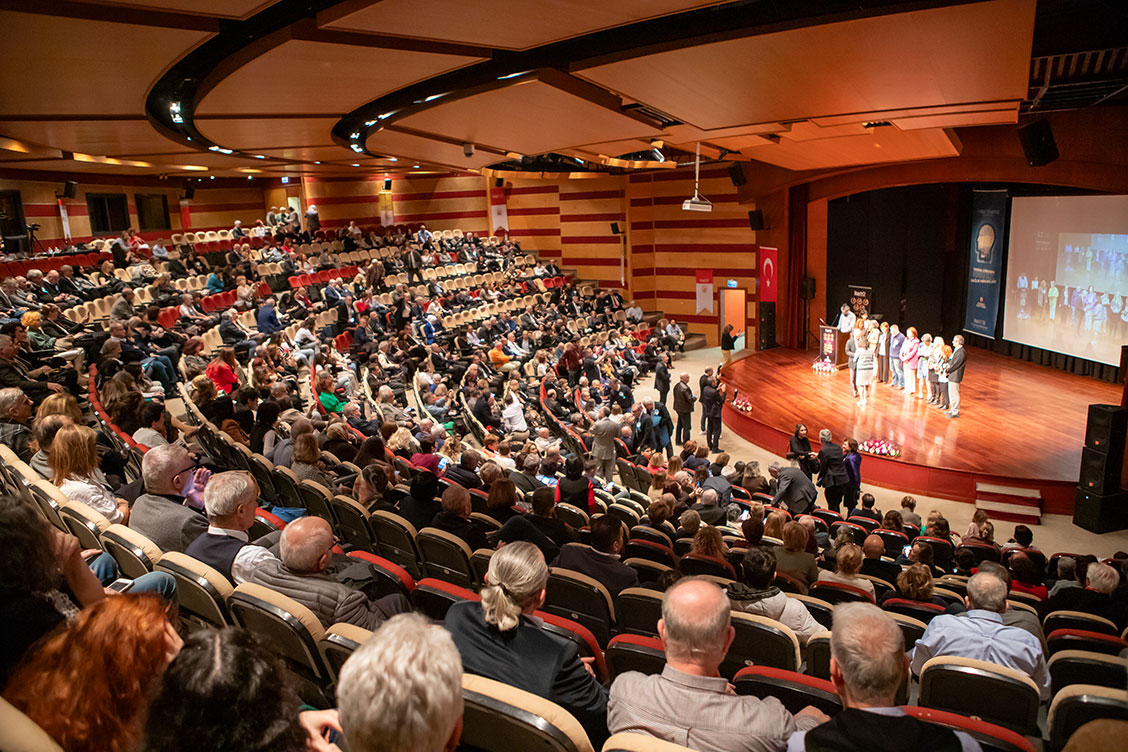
695, 342
1010, 503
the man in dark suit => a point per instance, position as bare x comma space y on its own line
701, 383
794, 490
867, 509
956, 365
465, 473
711, 403
601, 560
683, 406
527, 480
455, 518
833, 478
712, 513
413, 263
873, 565
662, 377
267, 317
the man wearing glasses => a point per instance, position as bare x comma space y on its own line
161, 514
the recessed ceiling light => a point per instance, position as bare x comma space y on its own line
356, 165
392, 159
415, 167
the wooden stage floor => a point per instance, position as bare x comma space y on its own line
1020, 424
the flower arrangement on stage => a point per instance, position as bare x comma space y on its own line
880, 447
742, 404
824, 366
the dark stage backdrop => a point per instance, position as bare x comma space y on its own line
903, 243
909, 244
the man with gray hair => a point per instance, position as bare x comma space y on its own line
15, 412
389, 410
867, 667
230, 500
794, 491
604, 432
690, 703
401, 691
160, 514
981, 635
306, 548
709, 509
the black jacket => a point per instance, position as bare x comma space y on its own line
462, 476
530, 659
832, 467
466, 529
711, 402
611, 573
661, 377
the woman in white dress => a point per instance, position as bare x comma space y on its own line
865, 370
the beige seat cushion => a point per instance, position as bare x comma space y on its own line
538, 706
773, 624
628, 742
18, 733
199, 568
151, 550
291, 606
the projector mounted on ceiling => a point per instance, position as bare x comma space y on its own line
698, 202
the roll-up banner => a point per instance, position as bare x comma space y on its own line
984, 276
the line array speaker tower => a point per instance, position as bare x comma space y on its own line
1101, 505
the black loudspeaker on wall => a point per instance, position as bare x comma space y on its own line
767, 327
756, 220
808, 291
499, 182
1101, 506
70, 189
1038, 143
387, 184
736, 174
614, 228
189, 191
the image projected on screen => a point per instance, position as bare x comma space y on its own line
1067, 275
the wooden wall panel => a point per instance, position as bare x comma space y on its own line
444, 202
339, 201
587, 209
533, 207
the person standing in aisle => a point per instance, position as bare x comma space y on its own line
711, 402
956, 365
683, 406
865, 370
728, 344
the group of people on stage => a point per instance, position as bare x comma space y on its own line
923, 366
1088, 312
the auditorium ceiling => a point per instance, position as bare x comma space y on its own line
293, 87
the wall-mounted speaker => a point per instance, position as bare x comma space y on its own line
189, 191
767, 325
808, 291
756, 220
614, 228
70, 189
1038, 143
499, 182
736, 174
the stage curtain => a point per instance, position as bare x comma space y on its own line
1079, 366
797, 266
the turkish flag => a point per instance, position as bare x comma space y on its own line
769, 274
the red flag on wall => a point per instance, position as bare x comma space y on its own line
769, 275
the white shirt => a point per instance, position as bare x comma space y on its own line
248, 558
94, 492
149, 437
846, 322
506, 463
513, 417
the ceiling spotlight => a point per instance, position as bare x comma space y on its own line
415, 167
468, 150
317, 163
260, 156
357, 148
250, 177
285, 180
355, 165
212, 177
392, 159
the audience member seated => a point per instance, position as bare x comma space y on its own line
306, 462
915, 583
983, 636
757, 595
544, 518
306, 551
867, 667
575, 487
527, 479
225, 690
1014, 617
401, 691
1025, 577
920, 552
848, 562
74, 469
161, 513
690, 703
792, 558
600, 560
500, 639
455, 518
230, 500
15, 414
74, 685
709, 508
465, 472
867, 509
1101, 581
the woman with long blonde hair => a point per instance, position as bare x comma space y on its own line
497, 639
74, 469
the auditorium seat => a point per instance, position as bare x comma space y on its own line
50, 501
571, 515
639, 610
578, 635
995, 693
84, 523
789, 583
285, 484
631, 742
921, 610
760, 641
698, 564
796, 691
480, 563
395, 540
339, 642
1078, 704
500, 718
981, 551
822, 611
18, 733
836, 592
629, 652
1085, 667
580, 598
264, 523
435, 597
389, 577
660, 553
353, 526
1077, 620
942, 550
991, 738
826, 515
859, 532
912, 629
895, 541
817, 655
880, 586
868, 523
316, 498
445, 556
625, 513
135, 554
201, 591
263, 470
1082, 639
289, 629
648, 571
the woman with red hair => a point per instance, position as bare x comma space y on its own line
89, 687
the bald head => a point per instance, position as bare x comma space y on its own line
696, 625
306, 544
874, 547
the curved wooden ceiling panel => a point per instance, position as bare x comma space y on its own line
408, 147
300, 77
266, 133
69, 66
110, 137
508, 24
217, 8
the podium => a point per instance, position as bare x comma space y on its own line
832, 346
